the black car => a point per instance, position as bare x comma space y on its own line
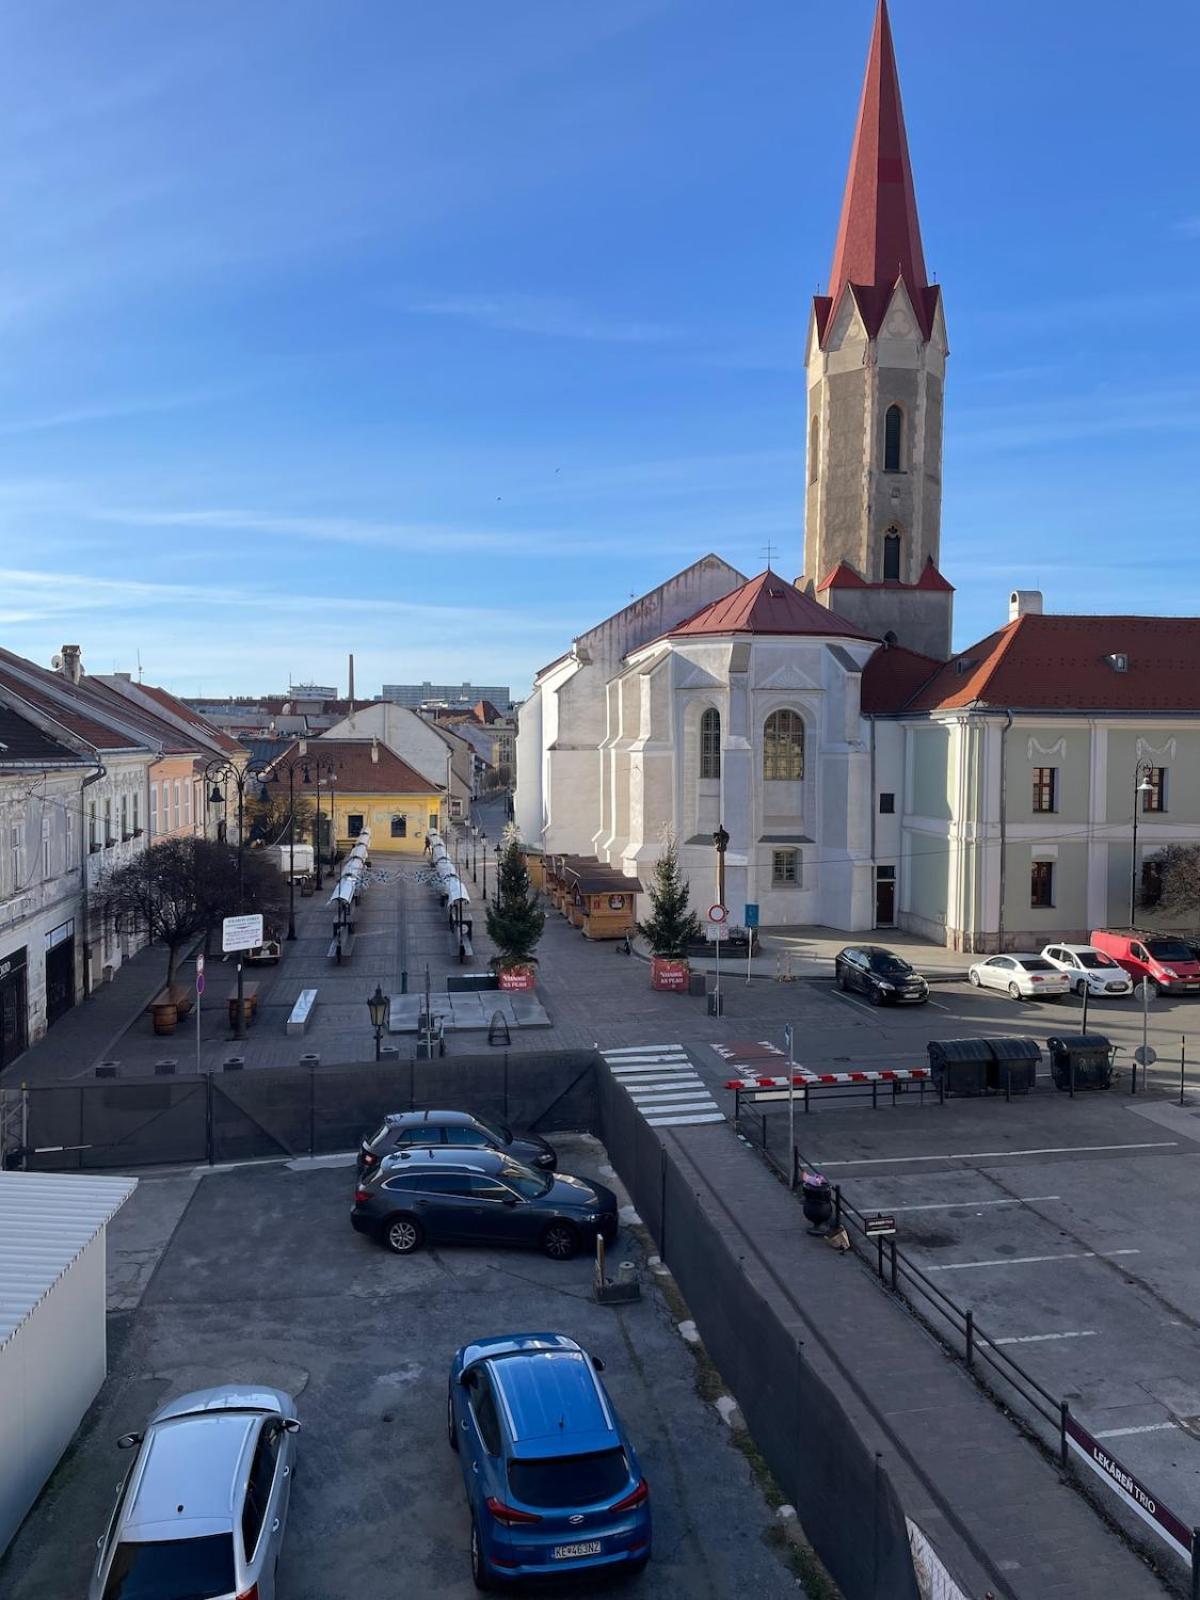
443, 1196
407, 1130
883, 976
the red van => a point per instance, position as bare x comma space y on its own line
1162, 958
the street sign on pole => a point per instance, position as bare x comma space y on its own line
787, 1039
879, 1226
241, 933
751, 916
717, 913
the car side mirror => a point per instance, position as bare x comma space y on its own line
598, 1363
128, 1440
510, 1200
291, 1425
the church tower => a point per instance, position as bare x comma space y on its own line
876, 362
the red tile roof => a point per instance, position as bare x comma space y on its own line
844, 576
356, 772
879, 236
56, 698
769, 604
207, 730
892, 677
1059, 663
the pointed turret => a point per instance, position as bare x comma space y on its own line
879, 236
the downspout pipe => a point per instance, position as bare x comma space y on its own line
1008, 722
85, 852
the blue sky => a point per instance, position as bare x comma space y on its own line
433, 332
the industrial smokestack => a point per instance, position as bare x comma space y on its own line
351, 683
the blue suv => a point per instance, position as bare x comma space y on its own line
552, 1479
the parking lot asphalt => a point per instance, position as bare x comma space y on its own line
255, 1274
1067, 1227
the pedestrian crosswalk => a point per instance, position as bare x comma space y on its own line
663, 1084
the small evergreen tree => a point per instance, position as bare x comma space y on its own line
514, 918
672, 927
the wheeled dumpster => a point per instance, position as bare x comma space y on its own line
1014, 1065
960, 1066
1081, 1061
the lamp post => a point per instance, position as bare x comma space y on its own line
221, 772
308, 766
474, 851
483, 836
379, 1005
721, 843
1141, 786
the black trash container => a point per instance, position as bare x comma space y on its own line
1014, 1065
1089, 1053
960, 1066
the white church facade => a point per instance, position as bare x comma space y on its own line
866, 775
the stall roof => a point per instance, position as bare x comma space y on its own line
592, 876
46, 1221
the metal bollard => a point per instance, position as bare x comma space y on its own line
233, 1064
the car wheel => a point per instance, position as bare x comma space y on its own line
841, 980
402, 1234
1154, 988
974, 978
1081, 988
876, 995
1014, 991
451, 1430
481, 1572
560, 1241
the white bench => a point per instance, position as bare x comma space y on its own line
301, 1012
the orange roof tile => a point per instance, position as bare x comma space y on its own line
768, 604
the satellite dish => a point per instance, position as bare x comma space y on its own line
56, 663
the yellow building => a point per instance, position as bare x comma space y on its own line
365, 786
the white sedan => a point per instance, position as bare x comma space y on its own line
1022, 977
1089, 968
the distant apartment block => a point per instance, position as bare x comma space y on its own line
445, 694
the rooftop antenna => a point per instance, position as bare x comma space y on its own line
769, 551
139, 662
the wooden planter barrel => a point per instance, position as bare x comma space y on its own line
166, 1017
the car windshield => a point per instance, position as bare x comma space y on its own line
1035, 964
1094, 958
497, 1130
569, 1480
173, 1569
1169, 950
889, 965
526, 1183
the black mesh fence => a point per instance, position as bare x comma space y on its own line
288, 1111
842, 1494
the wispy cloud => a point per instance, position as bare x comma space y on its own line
113, 410
546, 316
1079, 416
1189, 227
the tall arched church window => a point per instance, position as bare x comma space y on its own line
891, 556
783, 746
814, 448
893, 440
710, 744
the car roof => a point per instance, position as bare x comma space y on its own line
442, 1158
552, 1400
438, 1119
189, 1475
226, 1397
1058, 944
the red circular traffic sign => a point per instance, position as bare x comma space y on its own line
717, 913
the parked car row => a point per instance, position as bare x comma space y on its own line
1109, 967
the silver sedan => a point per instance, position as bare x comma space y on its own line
1023, 977
201, 1512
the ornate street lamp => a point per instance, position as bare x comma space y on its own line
379, 1005
221, 772
720, 840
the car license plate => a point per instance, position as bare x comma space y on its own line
569, 1552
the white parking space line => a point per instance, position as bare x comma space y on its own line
988, 1155
1025, 1261
853, 999
1124, 1433
957, 1205
1040, 1338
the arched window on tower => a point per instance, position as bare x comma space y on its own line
814, 449
710, 744
783, 746
891, 556
893, 440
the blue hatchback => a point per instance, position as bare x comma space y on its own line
552, 1479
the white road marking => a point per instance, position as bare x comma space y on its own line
643, 1097
986, 1155
1025, 1261
681, 1122
641, 1050
843, 994
1040, 1338
662, 1108
1123, 1433
664, 1080
956, 1205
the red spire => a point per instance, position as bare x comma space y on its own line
879, 237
